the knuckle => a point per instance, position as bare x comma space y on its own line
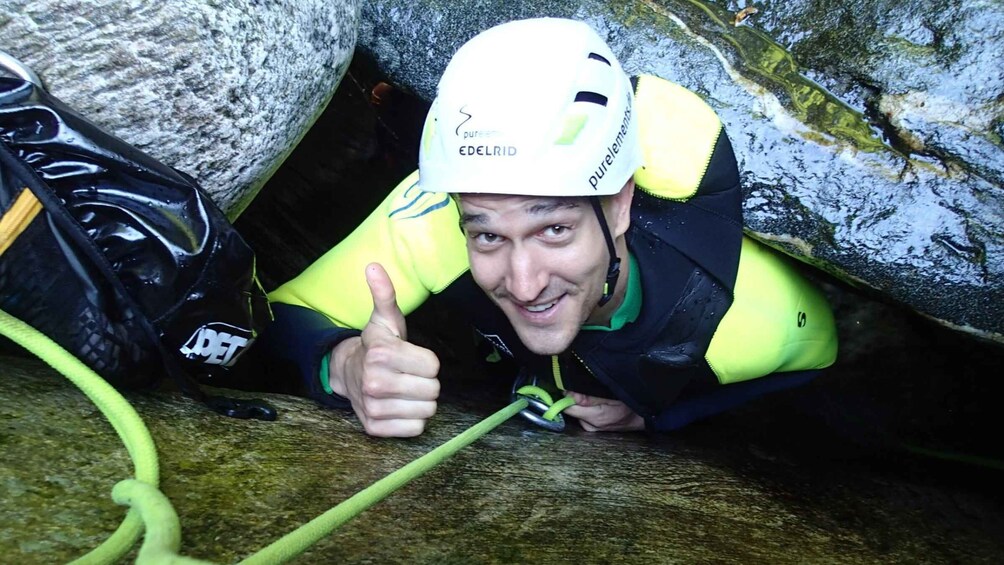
373, 387
430, 411
369, 426
377, 429
372, 409
376, 355
412, 428
376, 411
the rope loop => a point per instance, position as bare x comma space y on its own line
541, 408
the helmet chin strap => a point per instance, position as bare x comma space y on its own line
614, 270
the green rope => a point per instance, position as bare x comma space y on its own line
536, 392
163, 530
119, 412
554, 409
297, 541
149, 506
557, 408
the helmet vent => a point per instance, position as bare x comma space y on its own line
598, 57
594, 97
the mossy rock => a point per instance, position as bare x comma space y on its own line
729, 491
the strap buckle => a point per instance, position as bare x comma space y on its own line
241, 408
537, 407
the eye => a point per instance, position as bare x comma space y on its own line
485, 239
556, 232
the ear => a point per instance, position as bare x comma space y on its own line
618, 209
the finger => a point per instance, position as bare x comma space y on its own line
585, 416
394, 428
582, 412
398, 357
398, 409
586, 400
606, 418
386, 312
407, 387
600, 416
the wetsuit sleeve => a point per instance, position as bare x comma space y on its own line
293, 345
715, 401
779, 321
778, 334
413, 234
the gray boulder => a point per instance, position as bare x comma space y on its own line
220, 90
868, 133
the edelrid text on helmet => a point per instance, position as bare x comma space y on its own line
533, 107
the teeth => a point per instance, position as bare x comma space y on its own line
541, 307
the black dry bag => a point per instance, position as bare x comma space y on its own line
121, 260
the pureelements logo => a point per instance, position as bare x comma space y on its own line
471, 147
614, 149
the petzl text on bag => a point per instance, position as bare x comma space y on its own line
120, 259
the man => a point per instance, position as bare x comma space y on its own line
600, 247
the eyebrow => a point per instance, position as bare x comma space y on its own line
468, 219
538, 209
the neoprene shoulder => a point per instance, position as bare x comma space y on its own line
414, 234
679, 133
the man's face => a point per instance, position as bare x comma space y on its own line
542, 260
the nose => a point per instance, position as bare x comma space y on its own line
528, 274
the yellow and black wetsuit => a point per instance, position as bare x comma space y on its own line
711, 317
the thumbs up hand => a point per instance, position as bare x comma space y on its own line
392, 384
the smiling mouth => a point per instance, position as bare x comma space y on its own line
541, 307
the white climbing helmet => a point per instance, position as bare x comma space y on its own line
531, 107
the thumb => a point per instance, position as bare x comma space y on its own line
385, 309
